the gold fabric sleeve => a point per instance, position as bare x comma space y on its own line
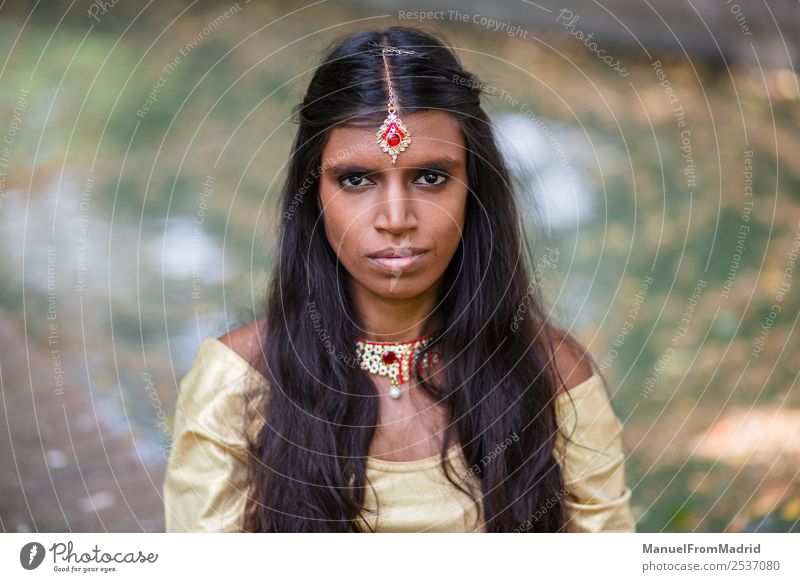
597, 498
205, 485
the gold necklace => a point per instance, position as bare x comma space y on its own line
395, 359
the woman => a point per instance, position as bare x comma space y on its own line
404, 376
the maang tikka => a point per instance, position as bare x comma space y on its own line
393, 136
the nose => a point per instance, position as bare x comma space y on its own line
396, 209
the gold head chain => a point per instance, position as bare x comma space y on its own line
393, 136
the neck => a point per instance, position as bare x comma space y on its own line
397, 320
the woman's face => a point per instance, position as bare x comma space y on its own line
413, 210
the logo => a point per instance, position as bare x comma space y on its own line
31, 555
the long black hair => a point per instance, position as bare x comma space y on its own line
307, 470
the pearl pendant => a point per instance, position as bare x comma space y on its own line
394, 392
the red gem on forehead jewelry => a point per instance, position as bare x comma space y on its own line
389, 357
393, 134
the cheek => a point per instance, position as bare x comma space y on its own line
341, 225
447, 225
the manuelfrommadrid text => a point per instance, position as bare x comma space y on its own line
693, 549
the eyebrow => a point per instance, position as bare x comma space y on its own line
443, 163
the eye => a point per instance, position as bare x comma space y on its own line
353, 181
433, 178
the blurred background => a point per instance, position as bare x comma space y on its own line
654, 143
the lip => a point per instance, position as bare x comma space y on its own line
392, 252
401, 263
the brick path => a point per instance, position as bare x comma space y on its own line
62, 468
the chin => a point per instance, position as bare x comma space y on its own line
398, 289
405, 287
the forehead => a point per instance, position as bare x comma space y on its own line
432, 132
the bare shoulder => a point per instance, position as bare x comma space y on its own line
571, 360
246, 340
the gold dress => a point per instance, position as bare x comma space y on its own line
206, 487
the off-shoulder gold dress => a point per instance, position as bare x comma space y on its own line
205, 486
